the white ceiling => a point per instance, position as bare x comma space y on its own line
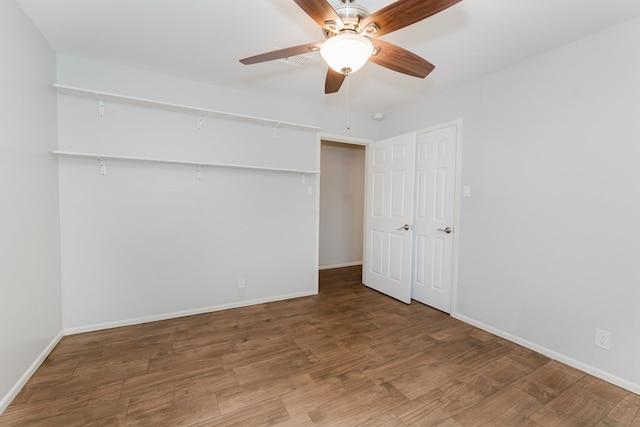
203, 40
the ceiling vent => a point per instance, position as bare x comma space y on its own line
296, 60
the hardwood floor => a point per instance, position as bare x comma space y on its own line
346, 357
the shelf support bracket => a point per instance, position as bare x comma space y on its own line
275, 131
199, 121
199, 172
103, 166
303, 178
100, 107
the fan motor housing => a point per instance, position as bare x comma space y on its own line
351, 14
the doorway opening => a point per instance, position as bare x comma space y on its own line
342, 187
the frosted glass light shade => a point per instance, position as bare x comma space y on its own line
346, 53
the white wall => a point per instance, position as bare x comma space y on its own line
341, 204
99, 75
150, 241
549, 243
30, 319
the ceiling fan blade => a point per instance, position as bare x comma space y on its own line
322, 12
282, 53
403, 13
401, 60
333, 82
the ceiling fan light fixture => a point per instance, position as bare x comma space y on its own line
346, 53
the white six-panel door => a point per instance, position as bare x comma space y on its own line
389, 216
434, 217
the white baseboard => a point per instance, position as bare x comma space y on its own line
598, 373
183, 313
344, 264
13, 392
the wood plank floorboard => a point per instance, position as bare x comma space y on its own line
348, 356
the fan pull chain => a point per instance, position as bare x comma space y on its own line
348, 116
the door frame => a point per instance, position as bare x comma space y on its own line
458, 123
337, 139
344, 140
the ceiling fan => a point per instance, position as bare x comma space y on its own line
351, 37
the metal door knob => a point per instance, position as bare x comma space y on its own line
405, 227
447, 230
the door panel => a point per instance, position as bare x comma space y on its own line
377, 193
398, 190
377, 252
396, 256
435, 198
389, 206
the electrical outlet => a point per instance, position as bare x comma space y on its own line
241, 282
603, 339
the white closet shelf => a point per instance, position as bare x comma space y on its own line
177, 162
132, 100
